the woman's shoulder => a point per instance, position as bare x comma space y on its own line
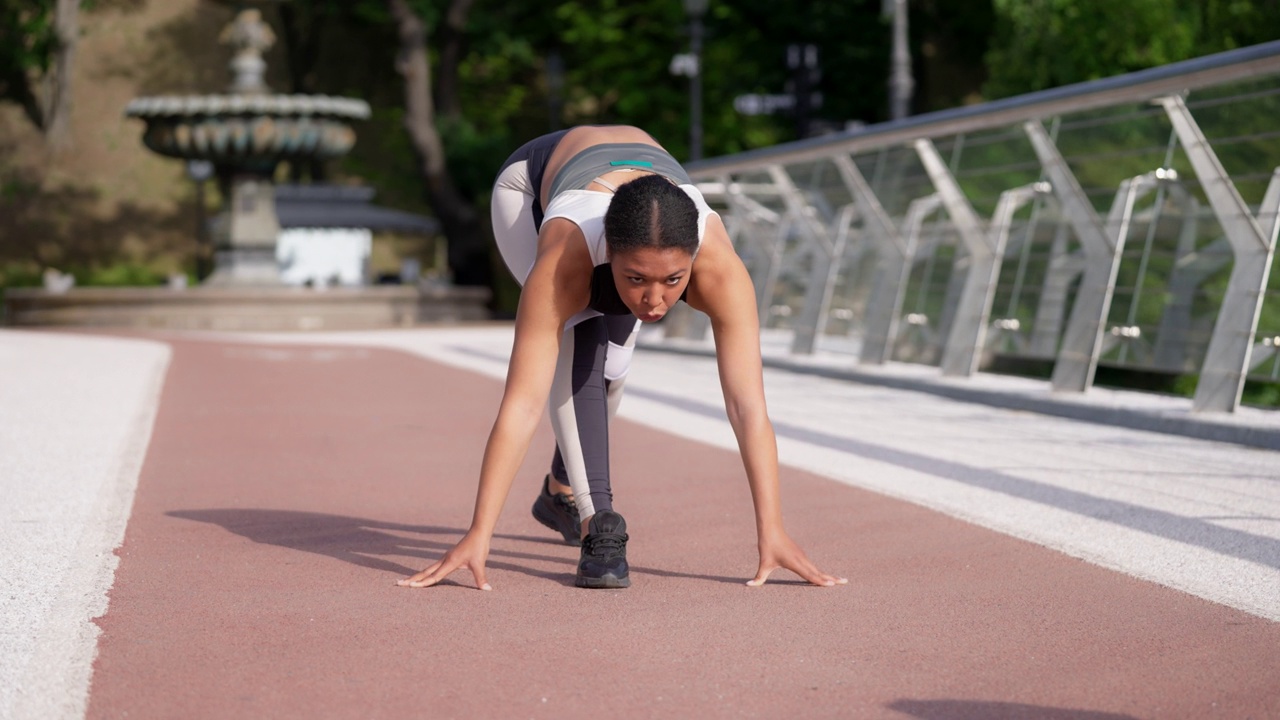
585, 209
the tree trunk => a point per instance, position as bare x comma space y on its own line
66, 23
448, 96
468, 252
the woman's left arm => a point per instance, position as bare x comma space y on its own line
721, 287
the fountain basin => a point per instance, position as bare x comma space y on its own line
248, 129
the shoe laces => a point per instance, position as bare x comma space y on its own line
605, 544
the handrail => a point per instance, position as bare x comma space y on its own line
1230, 66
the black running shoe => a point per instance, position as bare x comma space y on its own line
558, 512
604, 553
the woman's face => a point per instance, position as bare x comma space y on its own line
650, 280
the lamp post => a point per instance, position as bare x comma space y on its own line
901, 84
200, 171
695, 9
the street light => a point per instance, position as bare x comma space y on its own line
695, 9
200, 171
901, 84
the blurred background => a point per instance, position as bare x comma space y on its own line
80, 193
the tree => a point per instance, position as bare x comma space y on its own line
1040, 44
468, 253
472, 86
37, 53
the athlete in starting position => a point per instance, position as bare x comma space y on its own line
605, 230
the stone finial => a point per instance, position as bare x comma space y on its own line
250, 37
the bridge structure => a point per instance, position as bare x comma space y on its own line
211, 525
1127, 223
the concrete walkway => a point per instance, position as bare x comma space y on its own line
289, 480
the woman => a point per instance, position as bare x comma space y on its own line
605, 230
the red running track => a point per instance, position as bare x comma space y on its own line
286, 489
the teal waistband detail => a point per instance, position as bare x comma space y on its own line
637, 163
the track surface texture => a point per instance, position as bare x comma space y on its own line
290, 481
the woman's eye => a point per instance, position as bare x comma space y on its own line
673, 281
635, 280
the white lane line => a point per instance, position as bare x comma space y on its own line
76, 415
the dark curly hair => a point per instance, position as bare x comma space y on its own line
651, 211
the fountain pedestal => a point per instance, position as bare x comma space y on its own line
245, 242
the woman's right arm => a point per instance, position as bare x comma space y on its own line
557, 288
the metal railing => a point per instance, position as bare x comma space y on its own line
1127, 222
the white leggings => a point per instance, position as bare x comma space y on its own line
595, 351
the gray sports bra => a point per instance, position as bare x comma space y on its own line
586, 166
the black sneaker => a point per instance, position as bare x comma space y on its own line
604, 553
558, 512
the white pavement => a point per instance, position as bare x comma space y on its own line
76, 413
75, 418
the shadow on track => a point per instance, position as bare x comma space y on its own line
987, 710
369, 543
359, 541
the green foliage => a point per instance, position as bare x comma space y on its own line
115, 274
120, 274
1041, 44
19, 274
26, 37
1261, 394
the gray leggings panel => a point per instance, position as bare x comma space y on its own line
583, 398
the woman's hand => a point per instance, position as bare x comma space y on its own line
471, 552
780, 551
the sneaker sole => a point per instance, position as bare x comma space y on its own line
608, 581
550, 523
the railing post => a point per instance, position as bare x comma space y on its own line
765, 279
1077, 360
823, 279
963, 348
895, 254
1253, 244
825, 253
1191, 267
1051, 311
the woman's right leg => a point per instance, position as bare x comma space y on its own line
514, 229
516, 217
595, 356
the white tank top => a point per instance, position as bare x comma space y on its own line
586, 209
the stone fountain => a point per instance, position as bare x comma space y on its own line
245, 134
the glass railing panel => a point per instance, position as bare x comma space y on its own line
986, 164
932, 291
